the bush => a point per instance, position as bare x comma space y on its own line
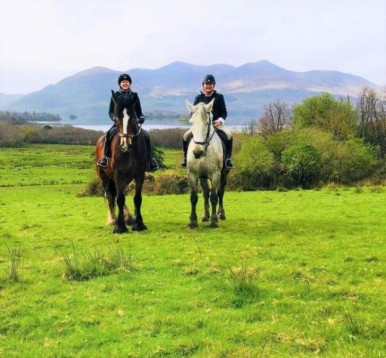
10, 136
353, 161
302, 164
167, 138
171, 184
254, 163
93, 188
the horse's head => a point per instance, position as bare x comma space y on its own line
126, 120
201, 125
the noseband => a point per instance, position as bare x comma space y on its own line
131, 136
208, 137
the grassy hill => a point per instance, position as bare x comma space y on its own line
297, 273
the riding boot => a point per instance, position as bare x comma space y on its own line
228, 160
103, 161
185, 148
152, 164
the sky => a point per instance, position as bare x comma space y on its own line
45, 41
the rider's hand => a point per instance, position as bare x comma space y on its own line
217, 122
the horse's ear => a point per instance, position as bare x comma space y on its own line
189, 105
209, 106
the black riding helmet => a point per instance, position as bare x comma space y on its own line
122, 77
209, 79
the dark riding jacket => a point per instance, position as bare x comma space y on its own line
134, 98
219, 107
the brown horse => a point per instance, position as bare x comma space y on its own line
128, 162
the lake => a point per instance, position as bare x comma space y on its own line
148, 127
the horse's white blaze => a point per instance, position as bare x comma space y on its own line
125, 122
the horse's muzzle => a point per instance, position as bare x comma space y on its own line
198, 152
125, 142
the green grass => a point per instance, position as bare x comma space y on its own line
298, 273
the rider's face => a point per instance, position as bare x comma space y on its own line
208, 87
125, 85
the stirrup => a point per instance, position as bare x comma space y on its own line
153, 165
228, 163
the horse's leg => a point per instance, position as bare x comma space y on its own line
120, 226
129, 220
205, 192
110, 193
221, 192
215, 183
138, 222
111, 217
193, 200
213, 200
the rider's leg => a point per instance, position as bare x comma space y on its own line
185, 144
103, 160
152, 164
226, 135
229, 147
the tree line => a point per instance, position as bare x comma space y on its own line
321, 140
318, 141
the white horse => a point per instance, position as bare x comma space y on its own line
205, 162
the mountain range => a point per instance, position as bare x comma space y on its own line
247, 88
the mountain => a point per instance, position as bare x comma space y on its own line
163, 91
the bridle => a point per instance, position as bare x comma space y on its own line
131, 136
208, 136
126, 139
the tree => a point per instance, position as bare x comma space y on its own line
327, 113
303, 164
371, 111
277, 115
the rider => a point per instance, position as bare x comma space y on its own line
124, 82
219, 116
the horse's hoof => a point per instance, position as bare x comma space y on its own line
204, 219
214, 224
221, 216
120, 229
193, 224
139, 227
129, 221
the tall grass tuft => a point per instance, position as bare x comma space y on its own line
84, 266
244, 283
14, 273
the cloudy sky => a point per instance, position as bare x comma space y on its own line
44, 41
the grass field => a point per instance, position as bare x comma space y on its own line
298, 273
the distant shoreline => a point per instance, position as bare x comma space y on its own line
148, 127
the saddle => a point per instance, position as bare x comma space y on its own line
224, 140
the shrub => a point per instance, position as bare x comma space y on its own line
167, 138
302, 165
353, 161
171, 184
254, 164
93, 188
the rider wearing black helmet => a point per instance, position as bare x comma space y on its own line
219, 112
124, 83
